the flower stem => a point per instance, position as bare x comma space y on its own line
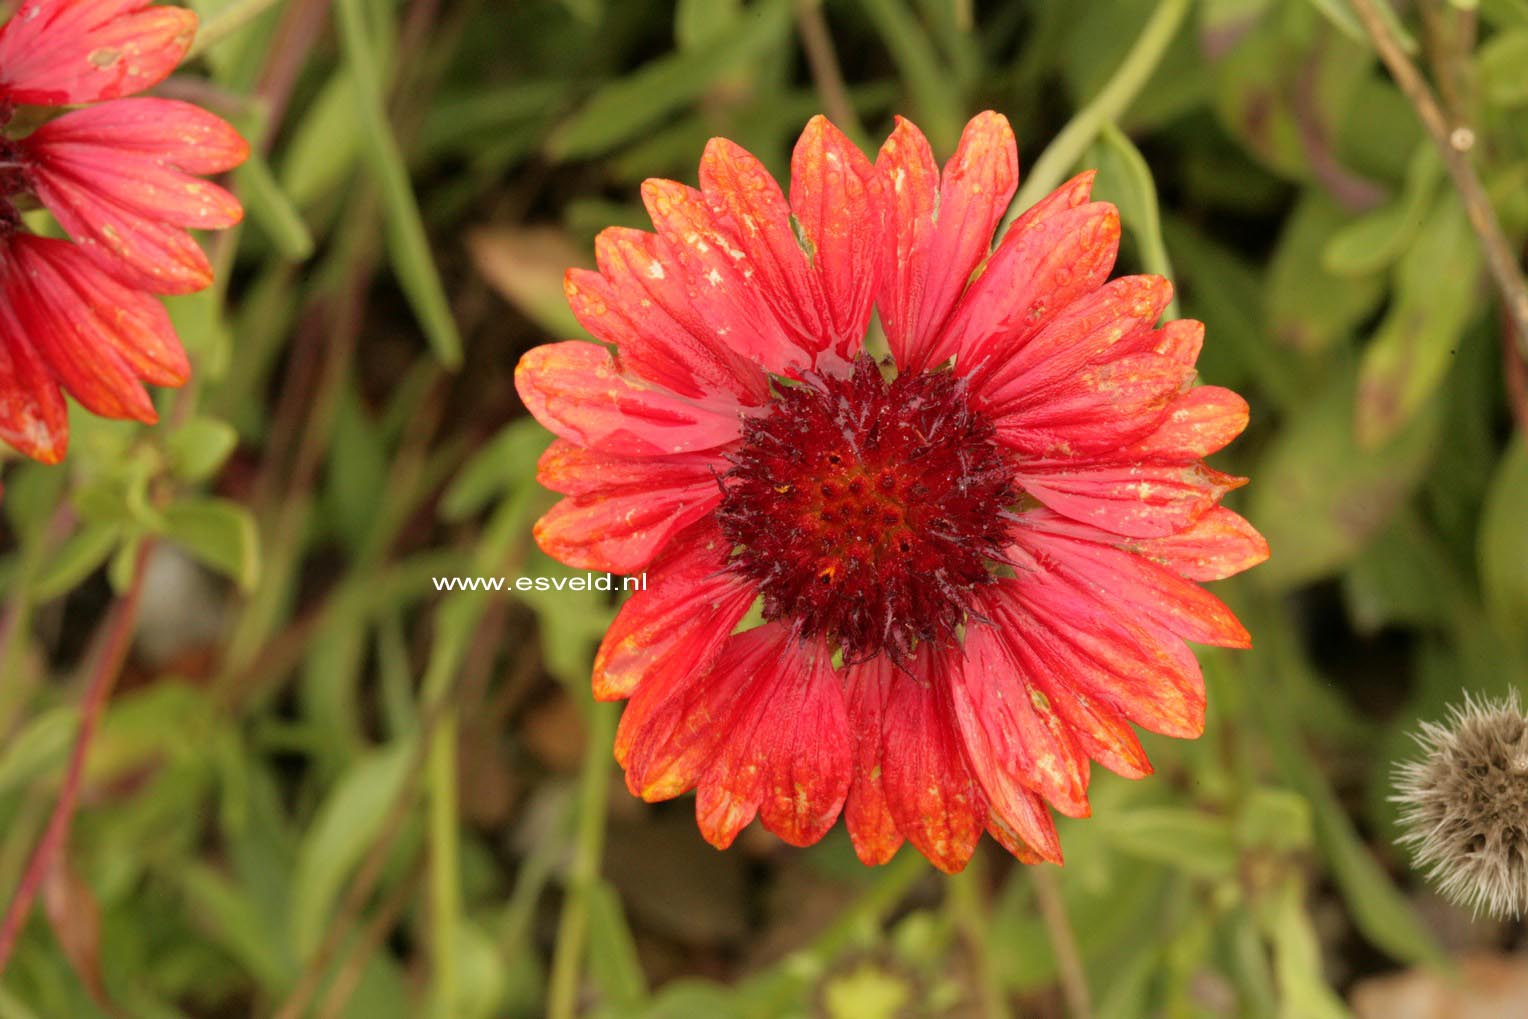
1074, 979
817, 44
108, 664
1454, 144
225, 23
1115, 97
589, 848
966, 894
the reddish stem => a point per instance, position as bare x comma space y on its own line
1515, 367
113, 652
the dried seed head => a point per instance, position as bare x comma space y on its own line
1465, 805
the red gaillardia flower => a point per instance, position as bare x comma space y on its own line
82, 317
975, 562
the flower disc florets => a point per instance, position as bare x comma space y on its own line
867, 509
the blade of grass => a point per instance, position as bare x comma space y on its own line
269, 205
407, 244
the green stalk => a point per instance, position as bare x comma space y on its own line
964, 901
1112, 101
589, 849
225, 23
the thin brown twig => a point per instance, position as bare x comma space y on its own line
1454, 144
817, 42
1515, 368
108, 665
354, 963
1074, 979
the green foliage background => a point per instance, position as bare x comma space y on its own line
323, 786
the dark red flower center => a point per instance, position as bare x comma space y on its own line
867, 509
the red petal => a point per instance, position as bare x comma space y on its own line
1144, 673
801, 739
872, 829
912, 177
126, 203
724, 289
97, 337
939, 244
1220, 544
62, 52
575, 390
1017, 816
1102, 408
679, 622
622, 532
569, 469
1081, 334
1202, 421
839, 200
1057, 253
1100, 732
33, 415
1134, 500
639, 301
786, 755
1180, 339
1139, 587
935, 800
745, 199
1013, 731
166, 131
621, 510
679, 720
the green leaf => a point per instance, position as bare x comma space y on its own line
357, 471
325, 145
627, 107
1125, 179
480, 971
271, 209
79, 557
506, 463
339, 836
1380, 911
1274, 819
1435, 297
1377, 239
225, 911
1191, 840
219, 532
1309, 308
613, 957
198, 448
1303, 991
700, 23
1504, 542
407, 243
867, 992
1319, 498
1340, 13
1503, 68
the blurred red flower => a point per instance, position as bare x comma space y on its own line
117, 177
976, 563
